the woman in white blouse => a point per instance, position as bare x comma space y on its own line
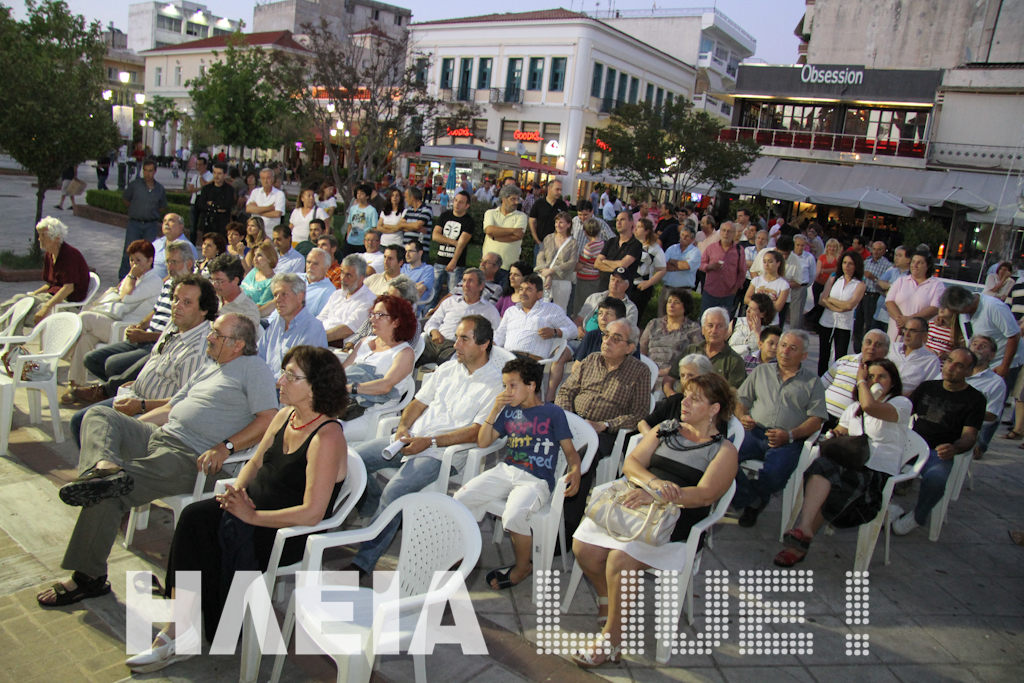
847, 497
770, 282
302, 214
839, 298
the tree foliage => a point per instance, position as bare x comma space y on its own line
672, 146
244, 97
376, 91
53, 115
163, 111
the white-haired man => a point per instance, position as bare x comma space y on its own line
714, 325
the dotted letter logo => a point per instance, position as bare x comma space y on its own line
756, 612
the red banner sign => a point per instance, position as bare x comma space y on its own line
524, 136
460, 132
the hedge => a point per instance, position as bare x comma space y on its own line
110, 200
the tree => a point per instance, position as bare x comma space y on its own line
52, 72
377, 91
244, 97
672, 146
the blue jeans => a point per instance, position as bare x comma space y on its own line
933, 485
988, 430
136, 230
707, 301
76, 420
779, 463
451, 279
108, 360
413, 475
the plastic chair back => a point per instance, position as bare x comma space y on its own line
437, 533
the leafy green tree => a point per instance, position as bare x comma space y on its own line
672, 146
377, 91
244, 97
53, 114
163, 111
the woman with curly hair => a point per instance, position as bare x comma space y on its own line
293, 480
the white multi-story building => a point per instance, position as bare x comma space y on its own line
703, 36
545, 82
343, 17
159, 24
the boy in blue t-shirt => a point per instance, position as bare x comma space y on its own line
525, 479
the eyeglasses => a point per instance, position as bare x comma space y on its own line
617, 338
377, 315
218, 335
290, 376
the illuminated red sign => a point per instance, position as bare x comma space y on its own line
460, 132
602, 144
524, 136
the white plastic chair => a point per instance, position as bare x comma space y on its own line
417, 348
679, 554
546, 524
957, 476
867, 534
793, 493
138, 518
11, 321
350, 493
117, 330
376, 413
90, 294
55, 335
458, 455
556, 352
437, 533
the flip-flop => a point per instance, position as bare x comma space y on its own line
501, 575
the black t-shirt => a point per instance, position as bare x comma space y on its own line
942, 414
614, 251
453, 227
545, 214
665, 409
668, 232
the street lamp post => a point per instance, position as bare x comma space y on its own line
123, 114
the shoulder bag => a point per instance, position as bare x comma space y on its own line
849, 452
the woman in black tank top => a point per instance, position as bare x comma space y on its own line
293, 480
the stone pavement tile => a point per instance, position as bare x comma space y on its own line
916, 593
896, 639
1011, 628
1000, 559
935, 674
970, 639
982, 595
830, 643
766, 674
997, 674
862, 673
688, 674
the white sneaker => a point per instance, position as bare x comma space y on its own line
895, 512
161, 656
905, 524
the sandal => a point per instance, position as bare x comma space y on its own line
591, 659
1013, 435
602, 602
85, 587
797, 544
501, 576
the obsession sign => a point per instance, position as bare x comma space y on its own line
524, 136
811, 74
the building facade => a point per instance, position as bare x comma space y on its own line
343, 17
159, 24
704, 37
545, 82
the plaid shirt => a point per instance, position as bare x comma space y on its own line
621, 397
876, 268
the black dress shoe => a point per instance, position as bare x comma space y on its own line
749, 516
94, 485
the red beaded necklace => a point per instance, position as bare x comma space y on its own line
291, 421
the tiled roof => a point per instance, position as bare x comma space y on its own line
264, 39
539, 15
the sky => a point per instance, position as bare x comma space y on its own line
771, 22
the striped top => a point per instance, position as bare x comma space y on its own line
162, 309
840, 381
940, 339
172, 362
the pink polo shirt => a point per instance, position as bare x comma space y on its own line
911, 297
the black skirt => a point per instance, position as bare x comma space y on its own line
856, 495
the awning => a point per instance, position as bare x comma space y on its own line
867, 198
774, 188
1010, 214
528, 165
952, 197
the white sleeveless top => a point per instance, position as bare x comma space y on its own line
381, 361
842, 291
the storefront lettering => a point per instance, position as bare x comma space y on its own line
601, 144
527, 136
811, 74
460, 132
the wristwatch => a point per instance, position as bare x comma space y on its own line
433, 442
231, 446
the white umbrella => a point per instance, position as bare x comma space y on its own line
1008, 214
952, 197
772, 187
867, 198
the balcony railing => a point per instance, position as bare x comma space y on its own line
506, 96
827, 142
457, 94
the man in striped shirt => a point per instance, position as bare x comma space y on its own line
115, 364
179, 352
841, 378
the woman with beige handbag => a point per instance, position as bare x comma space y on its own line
686, 464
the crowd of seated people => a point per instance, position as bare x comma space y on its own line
193, 382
